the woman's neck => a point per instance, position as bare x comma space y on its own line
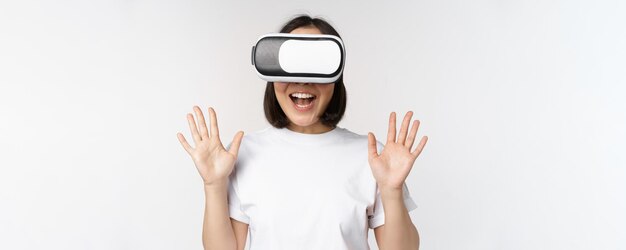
317, 128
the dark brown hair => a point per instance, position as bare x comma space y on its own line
337, 105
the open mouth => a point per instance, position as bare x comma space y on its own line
302, 101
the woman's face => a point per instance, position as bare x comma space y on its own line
304, 103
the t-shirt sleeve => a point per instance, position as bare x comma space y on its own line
234, 203
376, 217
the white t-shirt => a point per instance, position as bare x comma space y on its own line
306, 191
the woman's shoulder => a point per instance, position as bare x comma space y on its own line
256, 136
356, 137
349, 134
259, 133
251, 138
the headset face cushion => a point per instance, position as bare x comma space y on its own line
311, 58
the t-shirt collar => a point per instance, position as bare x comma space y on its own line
309, 139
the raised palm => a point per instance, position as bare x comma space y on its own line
213, 161
391, 167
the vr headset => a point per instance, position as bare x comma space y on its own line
308, 58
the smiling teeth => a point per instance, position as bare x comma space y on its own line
302, 95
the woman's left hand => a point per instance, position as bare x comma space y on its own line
394, 163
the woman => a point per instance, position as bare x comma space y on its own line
304, 182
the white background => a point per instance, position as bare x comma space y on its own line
523, 102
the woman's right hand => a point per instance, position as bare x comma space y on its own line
212, 160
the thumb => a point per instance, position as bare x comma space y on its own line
234, 147
372, 151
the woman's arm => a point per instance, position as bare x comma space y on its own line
390, 170
215, 164
398, 232
217, 229
241, 233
